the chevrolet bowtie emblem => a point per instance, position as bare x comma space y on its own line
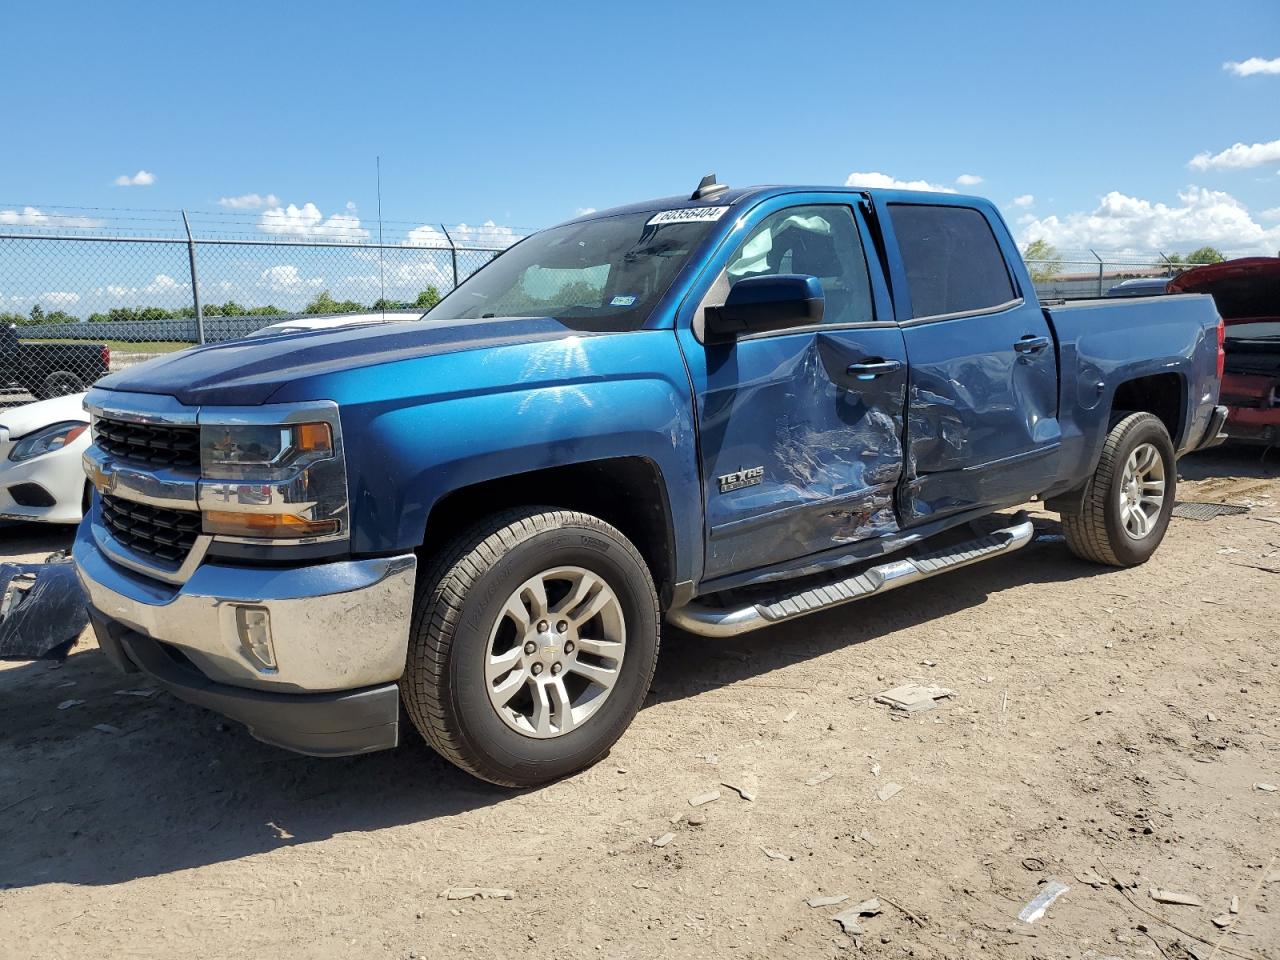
104, 481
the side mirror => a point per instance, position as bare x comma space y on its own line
762, 304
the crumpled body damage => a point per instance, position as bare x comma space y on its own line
830, 467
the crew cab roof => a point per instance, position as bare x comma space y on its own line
749, 196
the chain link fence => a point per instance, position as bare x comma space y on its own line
1085, 278
77, 304
81, 296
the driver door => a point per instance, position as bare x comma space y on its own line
800, 429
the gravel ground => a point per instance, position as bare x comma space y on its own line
1105, 724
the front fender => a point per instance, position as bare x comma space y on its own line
549, 405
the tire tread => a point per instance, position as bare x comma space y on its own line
1086, 531
441, 592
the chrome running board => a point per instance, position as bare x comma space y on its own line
718, 621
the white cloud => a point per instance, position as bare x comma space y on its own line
488, 235
1026, 200
968, 179
52, 298
583, 211
163, 283
1272, 214
1124, 224
308, 221
425, 236
874, 180
1238, 156
1247, 68
250, 201
285, 278
143, 178
33, 217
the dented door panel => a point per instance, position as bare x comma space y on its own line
982, 418
829, 444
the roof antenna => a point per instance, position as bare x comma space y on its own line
382, 273
708, 188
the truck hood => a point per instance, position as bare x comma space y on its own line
248, 372
1248, 287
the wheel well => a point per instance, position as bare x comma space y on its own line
1160, 394
627, 492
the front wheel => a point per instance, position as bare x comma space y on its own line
533, 643
1130, 496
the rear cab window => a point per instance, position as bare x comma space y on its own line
953, 261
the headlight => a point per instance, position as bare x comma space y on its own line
46, 440
273, 481
262, 453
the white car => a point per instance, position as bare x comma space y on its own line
41, 476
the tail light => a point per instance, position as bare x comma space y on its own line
106, 355
1222, 353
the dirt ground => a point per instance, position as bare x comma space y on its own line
1118, 723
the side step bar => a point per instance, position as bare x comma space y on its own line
713, 621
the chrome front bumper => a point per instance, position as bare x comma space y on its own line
334, 626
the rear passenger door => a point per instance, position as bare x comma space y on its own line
982, 398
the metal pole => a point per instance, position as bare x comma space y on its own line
195, 280
453, 252
1099, 259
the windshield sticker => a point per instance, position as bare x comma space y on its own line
687, 215
622, 301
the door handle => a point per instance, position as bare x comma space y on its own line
1031, 344
871, 369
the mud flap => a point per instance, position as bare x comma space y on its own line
43, 610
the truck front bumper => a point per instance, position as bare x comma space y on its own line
337, 634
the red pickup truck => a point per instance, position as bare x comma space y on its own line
1247, 294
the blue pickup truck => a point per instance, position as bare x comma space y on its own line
726, 411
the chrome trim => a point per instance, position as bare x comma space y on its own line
335, 626
119, 553
186, 490
150, 408
706, 620
161, 487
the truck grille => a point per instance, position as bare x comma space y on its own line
148, 443
167, 535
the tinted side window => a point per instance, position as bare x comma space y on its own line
953, 262
819, 241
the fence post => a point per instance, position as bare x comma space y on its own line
1099, 259
195, 280
453, 252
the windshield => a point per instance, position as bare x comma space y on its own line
603, 275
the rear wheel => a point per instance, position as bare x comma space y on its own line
1130, 496
60, 383
533, 644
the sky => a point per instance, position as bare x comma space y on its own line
1135, 127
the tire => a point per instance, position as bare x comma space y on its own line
1105, 530
60, 383
461, 623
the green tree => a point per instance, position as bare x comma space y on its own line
382, 303
37, 314
60, 316
1043, 261
324, 303
427, 299
1205, 254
